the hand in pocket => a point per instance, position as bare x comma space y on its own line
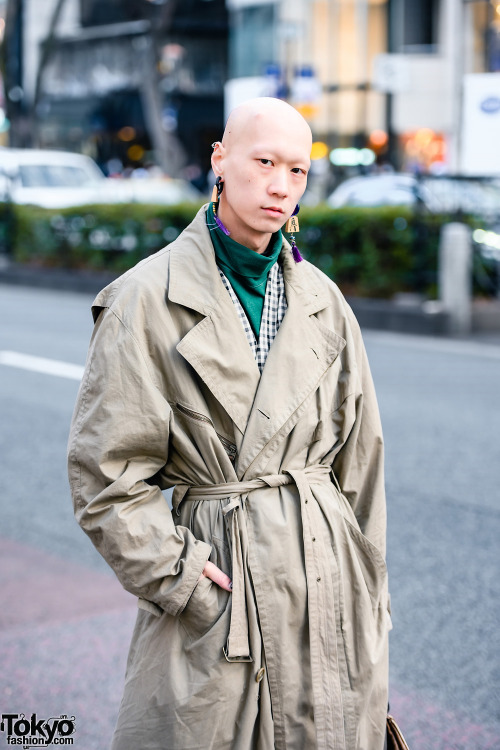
217, 576
206, 604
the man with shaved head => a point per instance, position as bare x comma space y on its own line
229, 368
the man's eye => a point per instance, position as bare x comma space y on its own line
298, 170
266, 162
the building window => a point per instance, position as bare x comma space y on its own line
252, 41
414, 26
101, 12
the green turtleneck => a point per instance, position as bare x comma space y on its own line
246, 269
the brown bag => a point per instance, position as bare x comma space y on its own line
395, 740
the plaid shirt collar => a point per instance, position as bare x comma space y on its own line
272, 314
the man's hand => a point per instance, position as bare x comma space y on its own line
217, 576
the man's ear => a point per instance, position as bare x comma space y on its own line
218, 159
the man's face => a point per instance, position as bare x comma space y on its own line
264, 167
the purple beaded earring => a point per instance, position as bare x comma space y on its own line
292, 226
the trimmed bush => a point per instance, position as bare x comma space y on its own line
100, 237
369, 252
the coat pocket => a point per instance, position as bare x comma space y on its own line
364, 607
371, 563
208, 601
228, 445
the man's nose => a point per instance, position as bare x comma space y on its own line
279, 183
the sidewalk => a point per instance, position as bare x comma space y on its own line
63, 642
63, 648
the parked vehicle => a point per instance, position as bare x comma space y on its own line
52, 179
437, 194
165, 191
376, 190
59, 179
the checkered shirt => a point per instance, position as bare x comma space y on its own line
272, 314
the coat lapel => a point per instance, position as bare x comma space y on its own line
216, 347
300, 355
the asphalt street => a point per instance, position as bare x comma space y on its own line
65, 623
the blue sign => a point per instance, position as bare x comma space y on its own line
491, 105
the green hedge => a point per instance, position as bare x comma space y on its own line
100, 237
368, 252
374, 252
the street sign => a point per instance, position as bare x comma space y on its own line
480, 154
391, 73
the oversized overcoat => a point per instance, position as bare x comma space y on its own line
296, 657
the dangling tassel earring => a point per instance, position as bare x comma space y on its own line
292, 226
217, 190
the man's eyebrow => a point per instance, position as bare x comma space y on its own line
265, 152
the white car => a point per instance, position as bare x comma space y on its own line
377, 190
60, 179
438, 194
164, 191
52, 179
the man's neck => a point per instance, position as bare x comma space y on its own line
256, 241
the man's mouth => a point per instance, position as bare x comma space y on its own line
274, 210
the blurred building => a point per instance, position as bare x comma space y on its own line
127, 81
383, 74
434, 47
137, 80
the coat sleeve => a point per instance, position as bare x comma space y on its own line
118, 442
359, 465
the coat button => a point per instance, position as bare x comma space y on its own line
260, 674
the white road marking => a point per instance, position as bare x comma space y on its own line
41, 364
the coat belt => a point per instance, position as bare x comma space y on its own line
238, 644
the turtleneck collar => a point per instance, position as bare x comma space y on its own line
246, 269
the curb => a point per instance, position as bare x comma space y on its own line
423, 318
386, 315
62, 279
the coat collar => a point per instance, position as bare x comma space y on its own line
260, 406
193, 278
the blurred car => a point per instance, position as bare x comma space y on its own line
164, 191
437, 194
60, 179
376, 190
52, 179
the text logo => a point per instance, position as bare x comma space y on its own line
34, 732
491, 105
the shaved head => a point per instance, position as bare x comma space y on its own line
265, 112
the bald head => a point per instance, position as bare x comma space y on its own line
265, 114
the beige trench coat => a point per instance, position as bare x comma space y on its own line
296, 657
